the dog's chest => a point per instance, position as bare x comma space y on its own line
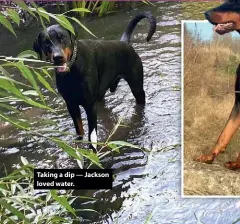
72, 88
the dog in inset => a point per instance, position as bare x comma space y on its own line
226, 18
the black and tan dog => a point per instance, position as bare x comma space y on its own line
226, 18
86, 69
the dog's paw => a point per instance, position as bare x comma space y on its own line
79, 138
92, 147
232, 165
205, 158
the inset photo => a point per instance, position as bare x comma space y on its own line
211, 110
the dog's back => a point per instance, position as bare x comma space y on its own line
108, 60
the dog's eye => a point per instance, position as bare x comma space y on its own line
62, 37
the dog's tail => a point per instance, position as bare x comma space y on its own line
128, 32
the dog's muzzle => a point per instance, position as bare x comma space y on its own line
59, 62
61, 65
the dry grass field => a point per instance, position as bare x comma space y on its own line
209, 77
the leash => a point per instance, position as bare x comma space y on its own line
74, 55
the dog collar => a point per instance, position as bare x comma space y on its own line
74, 55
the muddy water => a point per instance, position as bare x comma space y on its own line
146, 183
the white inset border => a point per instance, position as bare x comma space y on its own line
183, 22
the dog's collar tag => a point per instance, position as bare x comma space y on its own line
74, 55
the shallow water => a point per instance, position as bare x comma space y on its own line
145, 183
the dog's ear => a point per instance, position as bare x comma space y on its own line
37, 47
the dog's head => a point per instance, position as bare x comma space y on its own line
57, 44
225, 17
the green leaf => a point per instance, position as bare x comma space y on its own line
47, 73
27, 74
16, 201
9, 99
24, 160
43, 13
88, 210
78, 10
15, 91
7, 24
72, 152
91, 156
12, 81
13, 210
30, 92
4, 72
16, 122
48, 196
13, 188
36, 104
24, 6
112, 146
16, 177
86, 197
63, 201
84, 27
3, 190
236, 221
67, 148
15, 173
20, 188
35, 9
83, 5
148, 218
122, 143
27, 54
63, 21
105, 7
14, 16
4, 95
21, 59
8, 107
58, 219
50, 122
95, 6
44, 82
80, 162
5, 83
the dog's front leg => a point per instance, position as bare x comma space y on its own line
91, 112
224, 138
75, 113
234, 123
229, 130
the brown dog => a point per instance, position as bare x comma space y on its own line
226, 18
